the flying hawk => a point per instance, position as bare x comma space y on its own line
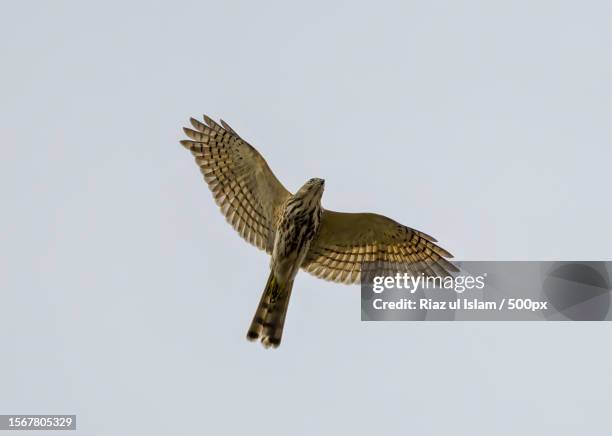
295, 230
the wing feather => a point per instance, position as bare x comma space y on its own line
346, 240
243, 186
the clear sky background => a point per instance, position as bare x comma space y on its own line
126, 296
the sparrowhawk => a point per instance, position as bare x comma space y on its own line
295, 230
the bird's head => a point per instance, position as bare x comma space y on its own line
312, 190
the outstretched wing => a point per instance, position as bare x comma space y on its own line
346, 240
248, 193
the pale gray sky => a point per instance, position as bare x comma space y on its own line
125, 295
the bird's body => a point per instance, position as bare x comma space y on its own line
296, 231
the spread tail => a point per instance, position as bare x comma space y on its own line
269, 319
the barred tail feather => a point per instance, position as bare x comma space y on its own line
269, 319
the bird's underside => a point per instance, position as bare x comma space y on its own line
296, 231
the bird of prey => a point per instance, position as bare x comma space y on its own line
295, 230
